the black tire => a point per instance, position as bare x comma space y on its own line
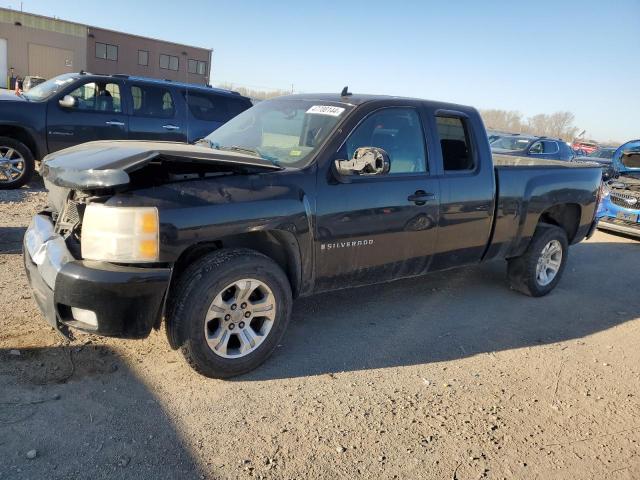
29, 163
522, 271
196, 289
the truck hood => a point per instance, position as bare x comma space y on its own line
10, 96
107, 164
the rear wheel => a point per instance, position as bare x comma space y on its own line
229, 311
539, 269
16, 163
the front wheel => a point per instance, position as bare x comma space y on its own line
229, 311
539, 269
16, 163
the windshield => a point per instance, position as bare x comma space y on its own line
602, 153
50, 87
284, 131
511, 143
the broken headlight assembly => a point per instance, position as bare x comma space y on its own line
120, 234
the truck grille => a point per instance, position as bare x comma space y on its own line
70, 217
625, 200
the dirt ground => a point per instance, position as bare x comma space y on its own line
452, 376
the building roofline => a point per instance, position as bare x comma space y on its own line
13, 10
89, 27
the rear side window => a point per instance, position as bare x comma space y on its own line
455, 145
544, 147
149, 101
213, 108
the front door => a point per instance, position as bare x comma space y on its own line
97, 115
374, 228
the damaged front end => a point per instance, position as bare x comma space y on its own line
619, 209
77, 290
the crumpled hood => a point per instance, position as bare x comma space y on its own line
107, 164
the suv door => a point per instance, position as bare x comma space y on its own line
375, 228
156, 113
98, 114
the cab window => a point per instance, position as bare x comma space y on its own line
455, 145
396, 130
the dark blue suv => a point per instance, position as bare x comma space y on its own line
532, 146
78, 107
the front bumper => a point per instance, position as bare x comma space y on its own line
618, 219
126, 301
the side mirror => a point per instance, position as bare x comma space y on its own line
365, 161
67, 101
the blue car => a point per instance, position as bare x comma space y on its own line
619, 208
531, 146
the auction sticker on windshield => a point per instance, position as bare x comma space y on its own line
326, 110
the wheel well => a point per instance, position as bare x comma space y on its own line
280, 246
566, 216
20, 134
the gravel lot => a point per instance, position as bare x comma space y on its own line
452, 376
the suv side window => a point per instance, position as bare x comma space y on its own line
454, 142
211, 108
151, 101
398, 131
98, 97
550, 147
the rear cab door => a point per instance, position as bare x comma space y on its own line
467, 184
99, 113
157, 112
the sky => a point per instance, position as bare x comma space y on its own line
530, 56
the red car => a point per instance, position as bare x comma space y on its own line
586, 146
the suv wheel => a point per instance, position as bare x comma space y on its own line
228, 312
538, 271
16, 163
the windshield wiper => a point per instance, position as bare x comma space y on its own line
237, 148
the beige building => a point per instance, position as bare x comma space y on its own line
35, 45
46, 47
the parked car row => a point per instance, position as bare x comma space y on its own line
75, 108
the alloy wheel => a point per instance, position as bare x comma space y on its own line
240, 318
549, 263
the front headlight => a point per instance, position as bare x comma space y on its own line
120, 234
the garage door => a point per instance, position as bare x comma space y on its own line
3, 63
48, 62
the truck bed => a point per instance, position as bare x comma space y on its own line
525, 187
508, 161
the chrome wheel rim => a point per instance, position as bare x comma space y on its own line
12, 164
549, 263
240, 318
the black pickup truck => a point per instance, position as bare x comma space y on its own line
294, 196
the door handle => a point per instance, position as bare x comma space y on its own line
114, 123
421, 197
170, 127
